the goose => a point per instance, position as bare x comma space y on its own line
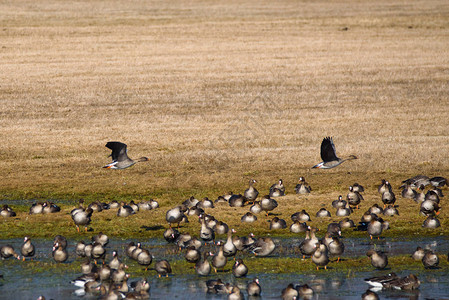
329, 156
379, 259
379, 281
430, 260
120, 159
320, 256
96, 206
229, 249
251, 193
420, 194
336, 247
346, 223
410, 282
175, 215
206, 203
248, 218
101, 238
163, 268
390, 210
7, 211
289, 293
206, 234
416, 181
105, 272
438, 181
255, 208
418, 254
7, 251
98, 252
125, 210
136, 251
354, 198
408, 192
323, 213
115, 261
221, 228
134, 206
153, 203
235, 294
27, 249
263, 247
431, 222
388, 197
358, 188
171, 235
215, 286
182, 240
339, 203
305, 291
277, 223
376, 209
301, 216
344, 211
267, 204
194, 242
144, 205
253, 288
88, 267
219, 260
144, 258
194, 211
242, 243
192, 255
376, 226
61, 240
202, 267
141, 285
60, 254
308, 245
119, 275
384, 186
432, 195
237, 201
429, 208
370, 295
302, 187
334, 229
239, 269
298, 227
277, 189
82, 218
36, 208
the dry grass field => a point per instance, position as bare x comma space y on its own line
218, 92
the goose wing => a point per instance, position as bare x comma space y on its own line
328, 150
118, 150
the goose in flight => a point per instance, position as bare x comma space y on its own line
120, 159
328, 155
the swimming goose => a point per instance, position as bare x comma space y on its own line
251, 193
239, 269
354, 198
277, 223
27, 248
329, 156
59, 254
320, 256
305, 291
202, 267
120, 159
8, 251
253, 288
379, 259
263, 247
7, 211
163, 268
219, 260
267, 204
438, 181
302, 187
141, 285
301, 216
430, 259
431, 222
277, 189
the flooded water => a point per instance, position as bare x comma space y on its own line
22, 283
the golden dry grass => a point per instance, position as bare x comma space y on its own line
218, 92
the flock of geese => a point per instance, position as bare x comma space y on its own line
109, 280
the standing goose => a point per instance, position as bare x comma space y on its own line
175, 215
82, 218
354, 198
192, 254
229, 249
320, 257
329, 156
251, 193
302, 187
120, 159
8, 251
144, 258
202, 267
163, 268
388, 197
59, 253
267, 204
336, 247
308, 245
27, 248
219, 260
115, 261
206, 234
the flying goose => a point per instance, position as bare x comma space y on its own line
329, 156
120, 159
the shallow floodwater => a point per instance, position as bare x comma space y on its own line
22, 283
